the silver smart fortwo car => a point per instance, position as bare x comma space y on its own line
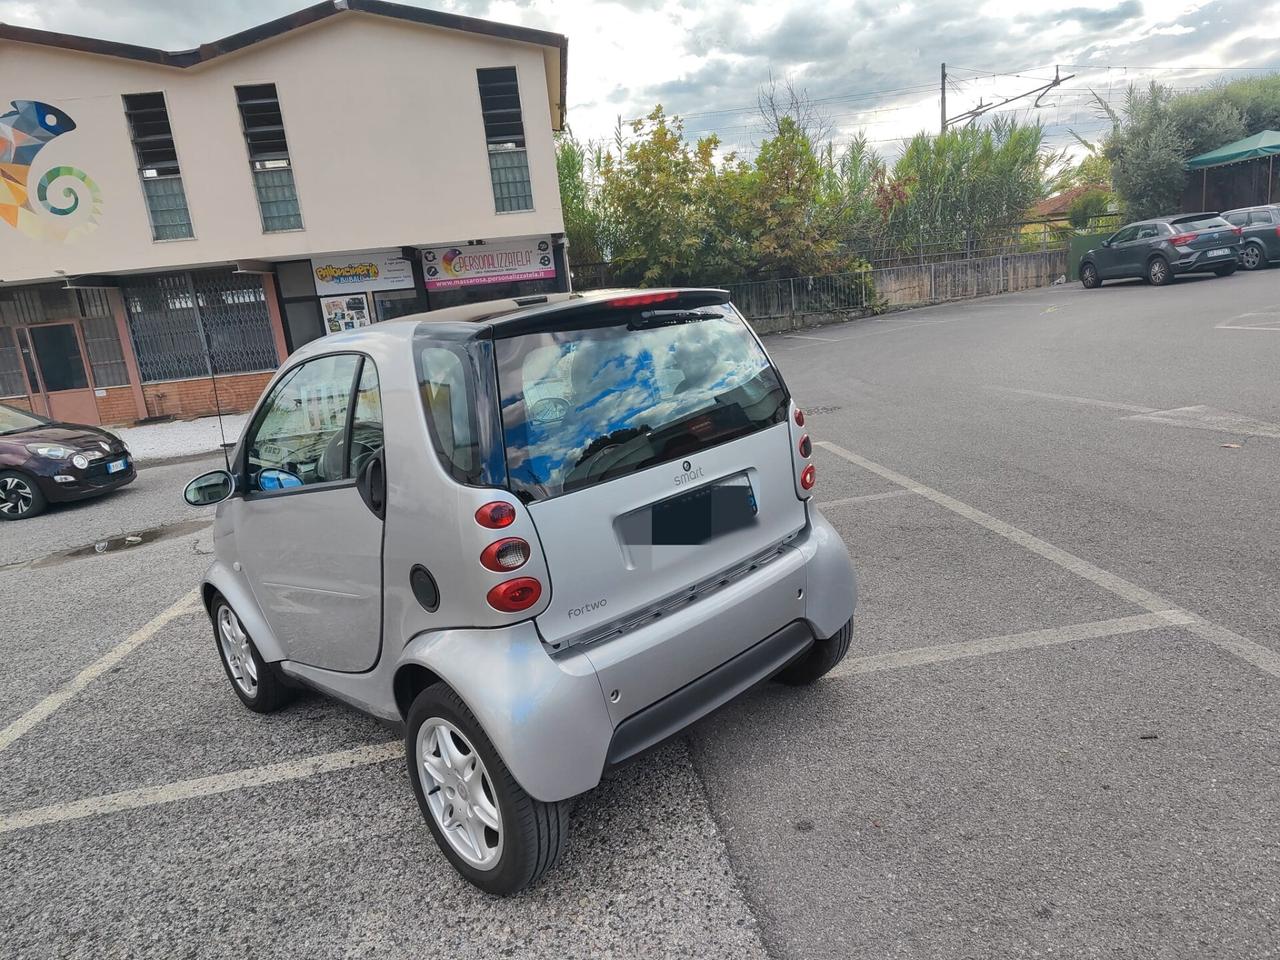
544, 534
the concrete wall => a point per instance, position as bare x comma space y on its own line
384, 129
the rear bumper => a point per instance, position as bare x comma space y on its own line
1200, 260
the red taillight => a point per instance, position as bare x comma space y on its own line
806, 446
515, 595
808, 476
1238, 231
799, 417
642, 299
506, 554
1278, 231
1182, 239
496, 515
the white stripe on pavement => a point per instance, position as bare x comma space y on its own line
865, 498
1067, 398
202, 786
1264, 658
943, 652
46, 707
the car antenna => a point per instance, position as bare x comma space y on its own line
217, 403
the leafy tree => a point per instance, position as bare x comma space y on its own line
1088, 207
586, 222
1147, 150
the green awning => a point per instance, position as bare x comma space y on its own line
1264, 144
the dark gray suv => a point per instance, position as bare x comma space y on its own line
1261, 226
1159, 249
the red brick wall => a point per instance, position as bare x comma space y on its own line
22, 402
117, 406
194, 398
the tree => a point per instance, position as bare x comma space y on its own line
1147, 151
586, 223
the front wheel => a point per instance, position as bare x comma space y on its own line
254, 680
819, 660
1252, 257
1159, 272
1089, 278
1225, 270
20, 498
494, 833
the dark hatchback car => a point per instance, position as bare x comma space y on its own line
1261, 226
43, 461
1159, 249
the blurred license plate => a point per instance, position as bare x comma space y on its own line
1218, 253
695, 517
117, 466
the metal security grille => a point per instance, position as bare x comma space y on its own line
49, 303
170, 315
11, 382
105, 356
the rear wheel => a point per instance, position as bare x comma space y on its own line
20, 497
1226, 270
819, 659
1089, 278
1252, 257
489, 828
254, 680
1159, 272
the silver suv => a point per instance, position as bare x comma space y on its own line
545, 535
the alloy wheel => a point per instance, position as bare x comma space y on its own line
459, 793
1158, 271
16, 496
238, 652
1251, 257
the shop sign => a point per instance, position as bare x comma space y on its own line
502, 261
376, 270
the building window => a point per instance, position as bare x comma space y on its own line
504, 135
158, 166
263, 126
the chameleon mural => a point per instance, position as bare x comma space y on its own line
24, 132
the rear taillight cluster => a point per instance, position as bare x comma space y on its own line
808, 475
1238, 231
504, 555
1182, 239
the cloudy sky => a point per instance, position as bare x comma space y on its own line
869, 65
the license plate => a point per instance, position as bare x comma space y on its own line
693, 518
117, 466
1218, 253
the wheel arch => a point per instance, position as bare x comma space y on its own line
410, 680
231, 586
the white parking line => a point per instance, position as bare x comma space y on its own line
965, 649
1067, 398
1264, 658
202, 786
865, 498
46, 707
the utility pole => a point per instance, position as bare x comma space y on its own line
943, 128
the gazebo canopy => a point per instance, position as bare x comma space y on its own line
1264, 144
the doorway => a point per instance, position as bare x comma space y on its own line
54, 358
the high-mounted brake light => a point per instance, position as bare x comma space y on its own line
642, 299
799, 417
506, 554
806, 446
808, 477
1182, 239
512, 596
496, 515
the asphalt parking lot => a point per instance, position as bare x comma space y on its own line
1055, 734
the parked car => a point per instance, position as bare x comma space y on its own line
44, 461
1159, 249
543, 536
1261, 234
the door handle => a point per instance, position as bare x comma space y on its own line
373, 485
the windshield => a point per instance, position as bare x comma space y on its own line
14, 420
583, 406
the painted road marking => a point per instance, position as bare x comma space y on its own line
202, 786
965, 649
797, 336
1067, 398
46, 707
1208, 418
1270, 321
1264, 658
865, 498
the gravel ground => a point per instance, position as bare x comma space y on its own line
180, 438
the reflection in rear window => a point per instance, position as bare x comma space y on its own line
583, 406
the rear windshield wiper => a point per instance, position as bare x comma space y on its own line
668, 318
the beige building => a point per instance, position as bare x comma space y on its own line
168, 216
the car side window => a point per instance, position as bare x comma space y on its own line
1147, 232
366, 424
1125, 235
1261, 216
299, 436
446, 397
1237, 219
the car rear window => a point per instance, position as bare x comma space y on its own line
583, 406
1199, 223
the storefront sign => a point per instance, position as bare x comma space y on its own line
503, 261
376, 270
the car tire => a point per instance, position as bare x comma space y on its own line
256, 682
20, 496
1089, 278
1253, 257
1226, 270
531, 835
1159, 272
819, 660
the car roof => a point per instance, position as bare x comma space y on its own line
1256, 206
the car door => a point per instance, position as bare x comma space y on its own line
1262, 226
1111, 258
308, 533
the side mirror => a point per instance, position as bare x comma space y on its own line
1106, 242
209, 488
273, 479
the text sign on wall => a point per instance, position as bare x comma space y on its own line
502, 261
376, 270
